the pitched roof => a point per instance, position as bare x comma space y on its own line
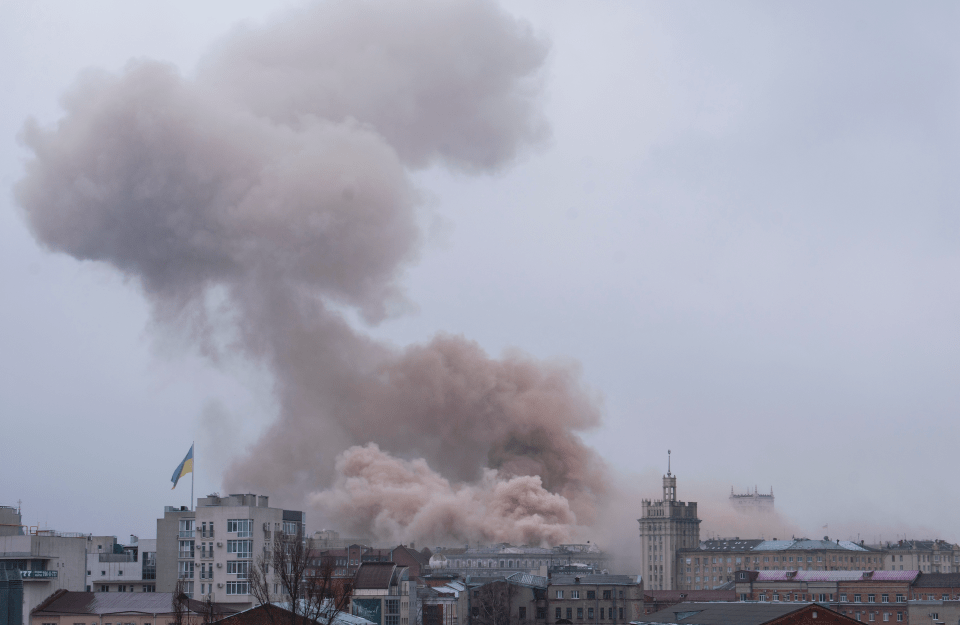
374, 575
834, 576
117, 603
733, 613
526, 579
937, 580
690, 595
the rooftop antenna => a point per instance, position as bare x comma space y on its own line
668, 463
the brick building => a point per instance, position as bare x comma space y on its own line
747, 614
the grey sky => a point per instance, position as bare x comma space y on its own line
745, 228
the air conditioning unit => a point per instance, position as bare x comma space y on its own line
219, 544
219, 565
219, 584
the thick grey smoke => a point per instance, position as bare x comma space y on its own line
276, 183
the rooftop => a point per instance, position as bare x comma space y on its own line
723, 613
65, 602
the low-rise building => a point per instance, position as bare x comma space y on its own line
96, 608
124, 568
384, 594
44, 562
714, 562
691, 613
656, 600
504, 559
926, 556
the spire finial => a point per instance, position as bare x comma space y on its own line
668, 463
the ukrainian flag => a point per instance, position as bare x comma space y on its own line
185, 467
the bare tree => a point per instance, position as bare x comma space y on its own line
211, 611
289, 575
181, 606
492, 603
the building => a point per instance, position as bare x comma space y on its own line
503, 560
10, 522
714, 562
926, 556
517, 599
666, 527
213, 548
384, 594
594, 599
344, 563
38, 565
752, 503
442, 604
96, 608
691, 613
122, 568
879, 596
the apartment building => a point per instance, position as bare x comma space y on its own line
214, 547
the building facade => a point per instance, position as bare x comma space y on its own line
714, 562
504, 559
213, 548
666, 527
752, 503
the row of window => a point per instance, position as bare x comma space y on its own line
886, 616
824, 597
128, 588
591, 594
605, 613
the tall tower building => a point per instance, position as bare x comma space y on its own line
667, 526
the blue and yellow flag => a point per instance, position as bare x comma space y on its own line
185, 467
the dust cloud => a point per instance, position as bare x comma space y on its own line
270, 192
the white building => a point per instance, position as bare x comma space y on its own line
214, 547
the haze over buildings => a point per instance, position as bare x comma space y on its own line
732, 227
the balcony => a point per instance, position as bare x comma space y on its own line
188, 533
186, 555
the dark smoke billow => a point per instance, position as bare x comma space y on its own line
278, 177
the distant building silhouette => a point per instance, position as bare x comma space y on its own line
752, 503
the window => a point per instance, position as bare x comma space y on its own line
843, 597
122, 588
900, 614
523, 613
574, 594
601, 613
884, 598
558, 614
856, 599
541, 614
591, 594
238, 588
871, 616
606, 594
886, 617
186, 549
776, 596
243, 548
590, 613
185, 570
559, 594
580, 613
621, 613
823, 597
901, 598
290, 528
242, 527
871, 598
186, 528
104, 589
569, 613
238, 568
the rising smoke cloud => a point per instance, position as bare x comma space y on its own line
278, 178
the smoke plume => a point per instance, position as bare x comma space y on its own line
275, 182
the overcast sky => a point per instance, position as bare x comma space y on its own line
745, 227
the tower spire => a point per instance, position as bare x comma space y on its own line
668, 463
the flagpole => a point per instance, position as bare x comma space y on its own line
194, 472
